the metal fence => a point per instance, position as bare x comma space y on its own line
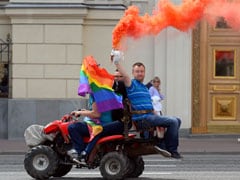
5, 57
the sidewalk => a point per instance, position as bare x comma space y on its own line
210, 145
191, 144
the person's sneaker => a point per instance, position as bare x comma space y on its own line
81, 159
82, 156
72, 153
162, 151
176, 155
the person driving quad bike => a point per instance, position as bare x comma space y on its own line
80, 129
100, 123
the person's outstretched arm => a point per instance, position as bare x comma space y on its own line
94, 113
116, 58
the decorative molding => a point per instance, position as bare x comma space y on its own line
196, 77
198, 130
142, 5
47, 1
224, 107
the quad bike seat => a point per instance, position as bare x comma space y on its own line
149, 131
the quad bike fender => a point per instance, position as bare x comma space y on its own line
114, 138
108, 138
52, 127
57, 126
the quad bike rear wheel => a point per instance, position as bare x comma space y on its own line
136, 167
62, 170
114, 166
41, 162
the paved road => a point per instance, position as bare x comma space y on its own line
192, 167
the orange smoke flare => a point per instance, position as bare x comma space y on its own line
182, 17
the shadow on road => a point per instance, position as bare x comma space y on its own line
84, 178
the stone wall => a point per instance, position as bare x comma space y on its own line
49, 44
3, 118
25, 112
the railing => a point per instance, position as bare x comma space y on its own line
5, 49
5, 56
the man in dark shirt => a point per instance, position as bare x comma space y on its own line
119, 88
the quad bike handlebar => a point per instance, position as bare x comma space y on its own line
70, 117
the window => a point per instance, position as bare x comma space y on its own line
224, 63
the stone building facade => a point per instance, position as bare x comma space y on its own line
49, 39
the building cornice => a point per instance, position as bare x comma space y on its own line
65, 5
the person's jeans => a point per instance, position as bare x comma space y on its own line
171, 123
77, 131
112, 128
80, 129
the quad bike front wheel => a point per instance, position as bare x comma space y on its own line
41, 162
114, 166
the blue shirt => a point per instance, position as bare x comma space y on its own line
154, 92
140, 99
106, 117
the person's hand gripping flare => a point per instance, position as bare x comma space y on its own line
116, 56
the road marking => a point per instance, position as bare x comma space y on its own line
157, 173
162, 160
87, 173
160, 165
98, 173
159, 160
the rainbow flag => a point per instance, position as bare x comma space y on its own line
94, 127
98, 82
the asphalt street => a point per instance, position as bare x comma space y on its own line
191, 167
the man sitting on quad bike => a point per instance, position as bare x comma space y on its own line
142, 109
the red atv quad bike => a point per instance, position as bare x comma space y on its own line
117, 156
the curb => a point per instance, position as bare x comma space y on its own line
12, 153
192, 144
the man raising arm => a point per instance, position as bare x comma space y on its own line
141, 103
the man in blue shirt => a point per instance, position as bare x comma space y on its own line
142, 108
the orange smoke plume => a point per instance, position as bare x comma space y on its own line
229, 10
182, 17
167, 14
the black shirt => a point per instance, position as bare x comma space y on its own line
119, 88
